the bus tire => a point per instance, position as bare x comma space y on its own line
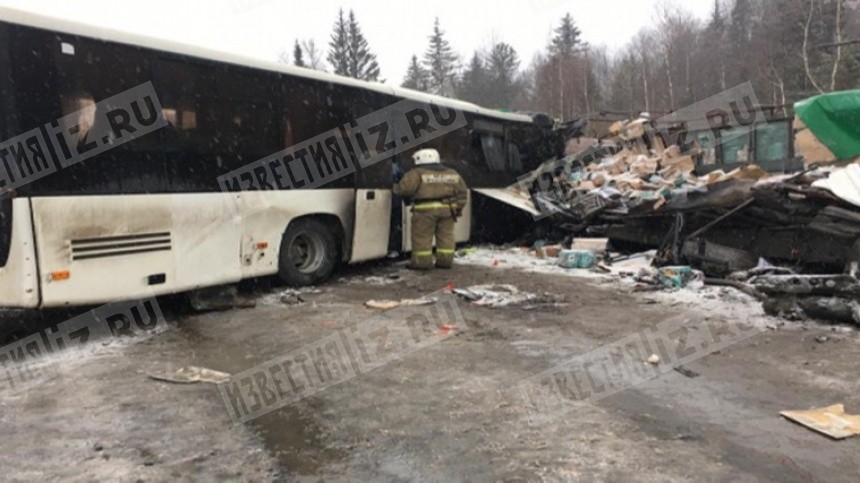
309, 253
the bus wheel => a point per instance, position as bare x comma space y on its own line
308, 253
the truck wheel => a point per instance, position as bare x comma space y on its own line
309, 253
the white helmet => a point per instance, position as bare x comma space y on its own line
426, 156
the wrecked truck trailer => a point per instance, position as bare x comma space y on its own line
740, 222
721, 200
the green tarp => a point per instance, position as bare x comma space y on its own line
835, 121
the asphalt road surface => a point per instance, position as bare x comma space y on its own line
450, 410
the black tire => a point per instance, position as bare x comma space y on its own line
309, 253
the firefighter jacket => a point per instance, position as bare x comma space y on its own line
433, 183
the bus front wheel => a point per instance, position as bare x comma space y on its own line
308, 253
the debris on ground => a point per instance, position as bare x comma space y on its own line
374, 280
381, 281
834, 298
393, 304
647, 185
656, 182
654, 360
831, 421
679, 277
191, 375
582, 259
218, 299
502, 295
290, 296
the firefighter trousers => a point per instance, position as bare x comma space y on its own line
426, 224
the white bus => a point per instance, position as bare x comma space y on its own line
150, 216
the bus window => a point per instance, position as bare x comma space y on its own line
250, 109
84, 105
183, 90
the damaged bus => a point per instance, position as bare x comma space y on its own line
148, 217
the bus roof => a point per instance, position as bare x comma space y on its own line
85, 30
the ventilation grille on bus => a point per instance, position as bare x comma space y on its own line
114, 246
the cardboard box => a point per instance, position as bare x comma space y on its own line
548, 252
593, 244
672, 152
751, 172
683, 164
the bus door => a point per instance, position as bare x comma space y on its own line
372, 228
19, 284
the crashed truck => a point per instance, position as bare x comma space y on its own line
783, 191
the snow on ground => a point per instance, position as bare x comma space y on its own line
705, 299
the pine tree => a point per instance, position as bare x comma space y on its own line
714, 42
338, 55
416, 77
567, 39
740, 36
473, 85
503, 65
298, 55
717, 22
742, 20
440, 61
362, 64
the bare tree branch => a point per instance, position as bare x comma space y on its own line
838, 59
806, 29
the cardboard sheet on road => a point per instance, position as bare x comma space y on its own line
831, 421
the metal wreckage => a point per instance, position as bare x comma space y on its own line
771, 208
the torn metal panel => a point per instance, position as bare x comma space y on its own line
511, 196
844, 183
714, 258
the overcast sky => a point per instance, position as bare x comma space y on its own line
394, 29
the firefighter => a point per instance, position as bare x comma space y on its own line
438, 195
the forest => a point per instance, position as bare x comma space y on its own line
788, 49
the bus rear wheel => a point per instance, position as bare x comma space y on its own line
308, 253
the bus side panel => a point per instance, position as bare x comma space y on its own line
268, 213
19, 284
122, 247
207, 242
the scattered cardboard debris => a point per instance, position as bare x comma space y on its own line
393, 304
593, 244
499, 295
548, 252
831, 421
191, 375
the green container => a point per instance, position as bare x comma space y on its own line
835, 120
